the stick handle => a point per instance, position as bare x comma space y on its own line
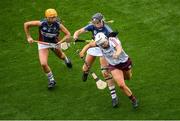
82, 40
41, 42
110, 21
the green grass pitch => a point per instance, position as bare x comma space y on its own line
149, 32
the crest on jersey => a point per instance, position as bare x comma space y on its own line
44, 28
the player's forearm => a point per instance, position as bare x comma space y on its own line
26, 29
85, 48
118, 51
77, 33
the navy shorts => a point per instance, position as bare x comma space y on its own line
122, 66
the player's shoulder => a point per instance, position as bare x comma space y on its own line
43, 22
108, 28
89, 27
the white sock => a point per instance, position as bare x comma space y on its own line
113, 92
50, 76
65, 58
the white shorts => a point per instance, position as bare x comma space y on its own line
95, 51
42, 46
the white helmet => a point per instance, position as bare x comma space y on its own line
100, 38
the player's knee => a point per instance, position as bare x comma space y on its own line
62, 56
122, 86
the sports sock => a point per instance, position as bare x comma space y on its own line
50, 76
113, 92
132, 98
66, 59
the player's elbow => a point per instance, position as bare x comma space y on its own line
26, 25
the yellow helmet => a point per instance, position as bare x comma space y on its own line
50, 13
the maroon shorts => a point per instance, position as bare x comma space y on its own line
122, 66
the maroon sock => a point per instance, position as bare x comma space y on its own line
132, 98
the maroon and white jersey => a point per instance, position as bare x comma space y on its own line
108, 52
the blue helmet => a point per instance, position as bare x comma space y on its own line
98, 17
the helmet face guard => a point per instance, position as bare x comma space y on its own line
95, 21
100, 38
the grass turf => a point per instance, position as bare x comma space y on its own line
149, 31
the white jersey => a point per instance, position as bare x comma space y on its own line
108, 52
95, 51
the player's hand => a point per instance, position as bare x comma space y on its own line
81, 54
30, 40
75, 38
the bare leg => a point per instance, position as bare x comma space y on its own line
107, 76
60, 54
118, 76
89, 60
43, 58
